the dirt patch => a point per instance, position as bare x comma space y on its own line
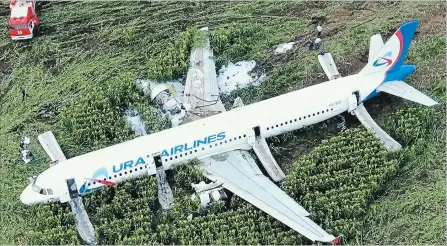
434, 23
44, 30
351, 64
49, 62
337, 16
382, 106
338, 21
4, 11
48, 111
50, 65
357, 65
89, 43
5, 67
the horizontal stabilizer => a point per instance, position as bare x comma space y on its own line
375, 45
404, 90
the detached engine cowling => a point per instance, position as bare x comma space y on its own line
208, 192
163, 96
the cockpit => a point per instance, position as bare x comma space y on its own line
42, 191
38, 189
34, 193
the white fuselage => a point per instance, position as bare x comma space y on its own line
216, 134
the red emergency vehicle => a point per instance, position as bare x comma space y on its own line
23, 19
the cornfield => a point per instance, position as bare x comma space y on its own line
81, 74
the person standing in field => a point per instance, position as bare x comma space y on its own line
310, 42
317, 43
319, 29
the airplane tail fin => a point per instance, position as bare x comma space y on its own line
393, 52
389, 60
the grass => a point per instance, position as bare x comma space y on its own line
88, 45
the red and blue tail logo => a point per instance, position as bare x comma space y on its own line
384, 60
391, 57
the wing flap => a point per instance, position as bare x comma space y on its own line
258, 190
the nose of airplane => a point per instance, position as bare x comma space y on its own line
28, 196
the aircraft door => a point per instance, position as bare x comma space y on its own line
251, 137
157, 160
352, 102
72, 188
68, 190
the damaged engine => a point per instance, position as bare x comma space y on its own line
163, 96
209, 192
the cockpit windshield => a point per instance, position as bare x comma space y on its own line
39, 190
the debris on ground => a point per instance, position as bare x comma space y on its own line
341, 125
189, 218
26, 154
176, 119
168, 96
136, 123
283, 48
163, 95
238, 76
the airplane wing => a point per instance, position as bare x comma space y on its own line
202, 96
240, 174
237, 170
201, 90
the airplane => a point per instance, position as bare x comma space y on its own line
213, 139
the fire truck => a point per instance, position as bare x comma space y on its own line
23, 19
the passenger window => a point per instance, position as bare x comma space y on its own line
50, 192
43, 192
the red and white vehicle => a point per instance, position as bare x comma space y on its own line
23, 19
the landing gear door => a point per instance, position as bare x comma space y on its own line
70, 190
